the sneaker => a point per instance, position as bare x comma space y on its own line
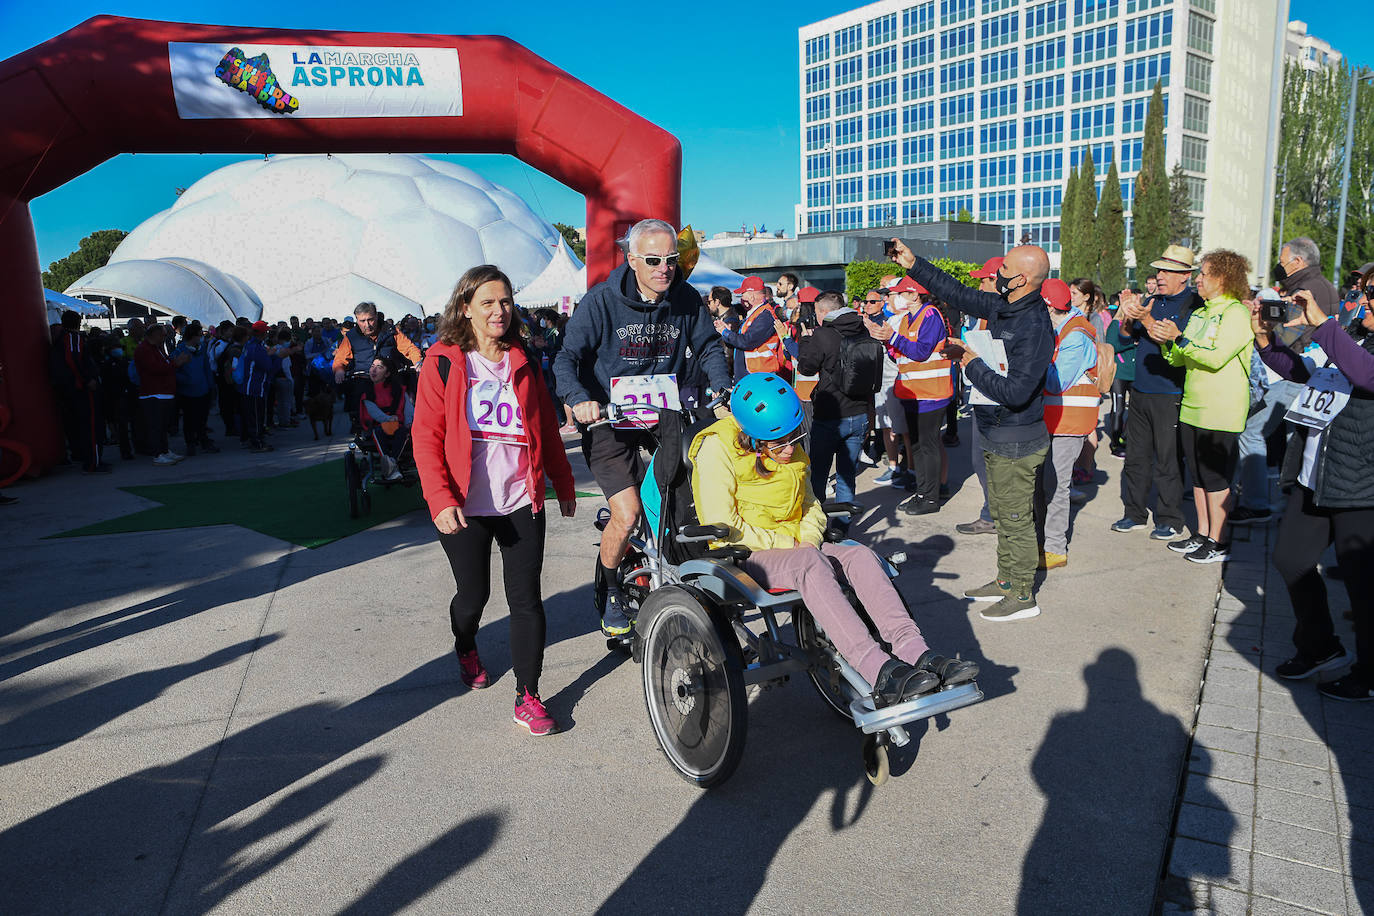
897, 682
1350, 688
1013, 607
530, 712
473, 674
887, 475
977, 526
1165, 533
1187, 545
995, 590
866, 460
1119, 451
173, 455
1050, 560
1127, 524
1298, 667
918, 506
951, 671
1245, 516
1210, 552
614, 620
165, 460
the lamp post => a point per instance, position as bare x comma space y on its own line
1355, 78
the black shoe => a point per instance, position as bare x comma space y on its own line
1350, 688
918, 506
1188, 544
950, 671
1210, 552
1299, 667
898, 682
1244, 516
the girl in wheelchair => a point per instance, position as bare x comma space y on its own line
387, 413
750, 473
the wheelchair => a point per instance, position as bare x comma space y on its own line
363, 471
692, 605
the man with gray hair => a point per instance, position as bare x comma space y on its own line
634, 337
360, 346
1300, 268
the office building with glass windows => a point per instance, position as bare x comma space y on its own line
947, 109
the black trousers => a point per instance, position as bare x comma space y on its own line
1152, 457
520, 536
924, 430
253, 419
1303, 536
84, 424
195, 417
229, 408
1116, 422
157, 414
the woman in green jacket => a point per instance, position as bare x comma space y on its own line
1215, 349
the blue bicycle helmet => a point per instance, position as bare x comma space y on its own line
765, 406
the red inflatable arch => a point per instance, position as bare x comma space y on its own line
106, 87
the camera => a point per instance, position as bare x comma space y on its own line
889, 248
1280, 311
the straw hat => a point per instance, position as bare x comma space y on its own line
1176, 259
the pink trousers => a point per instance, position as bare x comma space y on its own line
814, 572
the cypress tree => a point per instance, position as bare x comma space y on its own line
1151, 211
1068, 225
1111, 234
1087, 217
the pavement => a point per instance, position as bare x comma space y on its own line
212, 720
1277, 814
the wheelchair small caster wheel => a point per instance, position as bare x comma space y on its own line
875, 760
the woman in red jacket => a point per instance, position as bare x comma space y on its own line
485, 436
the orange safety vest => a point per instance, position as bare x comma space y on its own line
768, 356
1074, 412
930, 379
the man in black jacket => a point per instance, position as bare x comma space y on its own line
1015, 439
841, 419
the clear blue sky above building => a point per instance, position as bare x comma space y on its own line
721, 76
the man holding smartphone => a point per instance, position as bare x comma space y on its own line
1156, 394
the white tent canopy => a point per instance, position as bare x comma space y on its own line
709, 272
58, 303
563, 277
175, 286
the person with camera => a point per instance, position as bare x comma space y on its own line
1214, 349
1156, 393
1300, 269
1331, 500
1012, 426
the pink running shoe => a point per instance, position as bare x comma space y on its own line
474, 675
530, 712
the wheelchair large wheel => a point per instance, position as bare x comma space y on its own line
693, 687
825, 677
352, 481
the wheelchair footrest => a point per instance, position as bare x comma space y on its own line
871, 720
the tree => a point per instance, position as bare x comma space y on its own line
1182, 226
1068, 226
1151, 210
959, 270
576, 245
92, 253
964, 216
1086, 208
1111, 234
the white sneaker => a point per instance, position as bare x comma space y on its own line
174, 456
166, 460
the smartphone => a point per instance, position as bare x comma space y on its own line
889, 248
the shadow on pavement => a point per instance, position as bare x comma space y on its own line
1098, 770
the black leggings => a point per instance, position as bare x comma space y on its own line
520, 536
924, 430
1116, 424
1303, 536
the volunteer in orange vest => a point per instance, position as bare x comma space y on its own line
1071, 402
924, 386
757, 345
983, 524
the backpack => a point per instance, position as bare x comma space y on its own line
860, 372
1106, 367
240, 370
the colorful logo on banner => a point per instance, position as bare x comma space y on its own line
254, 76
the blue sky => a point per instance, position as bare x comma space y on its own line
721, 76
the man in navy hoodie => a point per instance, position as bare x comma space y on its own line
633, 335
1015, 438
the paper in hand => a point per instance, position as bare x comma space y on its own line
992, 352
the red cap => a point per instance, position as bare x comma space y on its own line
807, 294
1055, 292
260, 326
750, 283
908, 285
990, 268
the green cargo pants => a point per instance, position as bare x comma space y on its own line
1011, 499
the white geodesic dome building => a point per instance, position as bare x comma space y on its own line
314, 235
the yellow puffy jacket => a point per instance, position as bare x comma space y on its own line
764, 513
